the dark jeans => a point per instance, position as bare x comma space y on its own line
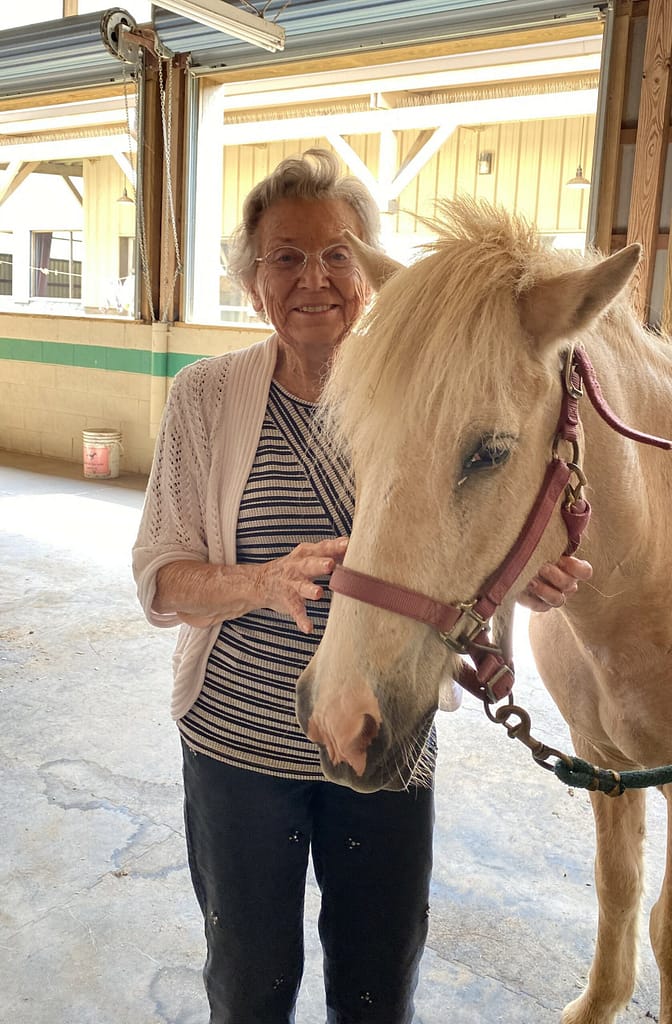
248, 839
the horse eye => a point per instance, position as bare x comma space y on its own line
491, 452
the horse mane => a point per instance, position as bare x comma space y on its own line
410, 351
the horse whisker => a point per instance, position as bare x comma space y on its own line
587, 583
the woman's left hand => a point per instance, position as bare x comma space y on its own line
550, 587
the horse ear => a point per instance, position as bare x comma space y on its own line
376, 266
563, 305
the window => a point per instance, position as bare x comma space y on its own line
56, 267
6, 261
507, 125
234, 305
67, 216
125, 297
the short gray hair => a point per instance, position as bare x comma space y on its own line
314, 175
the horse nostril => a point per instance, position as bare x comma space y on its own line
368, 732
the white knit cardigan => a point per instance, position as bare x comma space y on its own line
204, 452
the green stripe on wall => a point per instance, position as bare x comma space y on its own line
95, 357
177, 360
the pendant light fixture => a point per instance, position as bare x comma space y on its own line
579, 180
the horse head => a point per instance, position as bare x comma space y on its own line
446, 405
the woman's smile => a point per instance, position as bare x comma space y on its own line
322, 308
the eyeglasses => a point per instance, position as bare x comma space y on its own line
336, 260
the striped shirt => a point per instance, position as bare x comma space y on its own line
296, 493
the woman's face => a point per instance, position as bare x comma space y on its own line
307, 306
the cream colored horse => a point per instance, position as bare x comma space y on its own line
448, 406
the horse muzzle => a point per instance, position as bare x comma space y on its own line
357, 748
343, 724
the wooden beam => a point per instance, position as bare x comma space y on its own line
421, 138
67, 148
430, 115
651, 147
421, 157
388, 161
90, 92
127, 169
387, 188
14, 175
74, 168
73, 188
352, 160
619, 240
611, 146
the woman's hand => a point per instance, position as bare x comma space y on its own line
550, 587
285, 584
204, 594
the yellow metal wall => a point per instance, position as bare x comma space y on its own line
532, 160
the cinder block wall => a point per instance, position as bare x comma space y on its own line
62, 375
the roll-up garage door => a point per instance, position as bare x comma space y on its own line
317, 28
75, 52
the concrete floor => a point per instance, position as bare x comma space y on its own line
98, 923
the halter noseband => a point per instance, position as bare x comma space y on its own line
465, 627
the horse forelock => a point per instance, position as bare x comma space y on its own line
443, 336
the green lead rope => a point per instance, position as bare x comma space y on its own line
583, 775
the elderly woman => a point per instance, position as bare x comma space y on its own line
245, 518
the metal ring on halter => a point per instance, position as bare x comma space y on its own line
576, 451
574, 492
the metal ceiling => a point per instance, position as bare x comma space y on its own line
75, 52
318, 28
61, 54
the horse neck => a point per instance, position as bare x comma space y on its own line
629, 483
636, 381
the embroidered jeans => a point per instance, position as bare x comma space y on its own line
249, 837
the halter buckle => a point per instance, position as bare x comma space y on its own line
496, 693
467, 626
573, 382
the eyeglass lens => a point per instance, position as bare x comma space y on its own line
335, 259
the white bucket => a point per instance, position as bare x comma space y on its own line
101, 449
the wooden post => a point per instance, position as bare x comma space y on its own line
150, 184
172, 229
651, 147
666, 313
162, 187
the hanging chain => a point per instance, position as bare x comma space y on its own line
139, 196
166, 96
